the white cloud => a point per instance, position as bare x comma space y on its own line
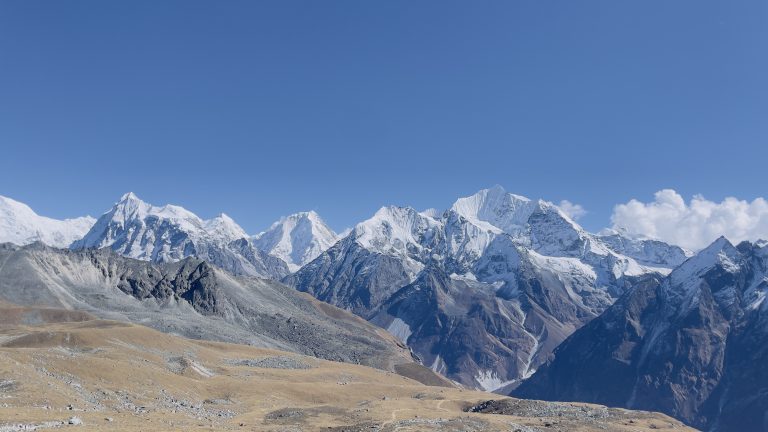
693, 225
574, 211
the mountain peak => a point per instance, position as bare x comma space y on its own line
225, 228
19, 224
720, 253
718, 250
495, 209
139, 230
393, 210
310, 215
496, 189
719, 244
393, 228
396, 219
297, 239
129, 196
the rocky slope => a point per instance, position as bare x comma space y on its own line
484, 291
191, 298
688, 346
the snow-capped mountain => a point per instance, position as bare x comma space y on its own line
19, 224
645, 251
297, 239
139, 230
482, 292
496, 211
690, 345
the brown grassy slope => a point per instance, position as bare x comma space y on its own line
117, 376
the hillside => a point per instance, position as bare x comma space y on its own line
61, 367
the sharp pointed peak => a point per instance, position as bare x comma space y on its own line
129, 196
493, 194
496, 188
720, 252
719, 244
130, 202
310, 214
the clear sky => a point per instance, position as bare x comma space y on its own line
263, 108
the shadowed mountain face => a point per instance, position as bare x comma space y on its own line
484, 292
194, 299
690, 346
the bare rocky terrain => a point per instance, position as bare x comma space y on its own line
193, 299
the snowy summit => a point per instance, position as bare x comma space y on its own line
297, 239
19, 224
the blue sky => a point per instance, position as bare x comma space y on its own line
262, 108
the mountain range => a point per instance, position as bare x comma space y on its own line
170, 233
498, 292
484, 291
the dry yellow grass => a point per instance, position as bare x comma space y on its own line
117, 376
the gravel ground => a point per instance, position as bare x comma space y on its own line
277, 362
18, 427
442, 425
531, 408
8, 386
